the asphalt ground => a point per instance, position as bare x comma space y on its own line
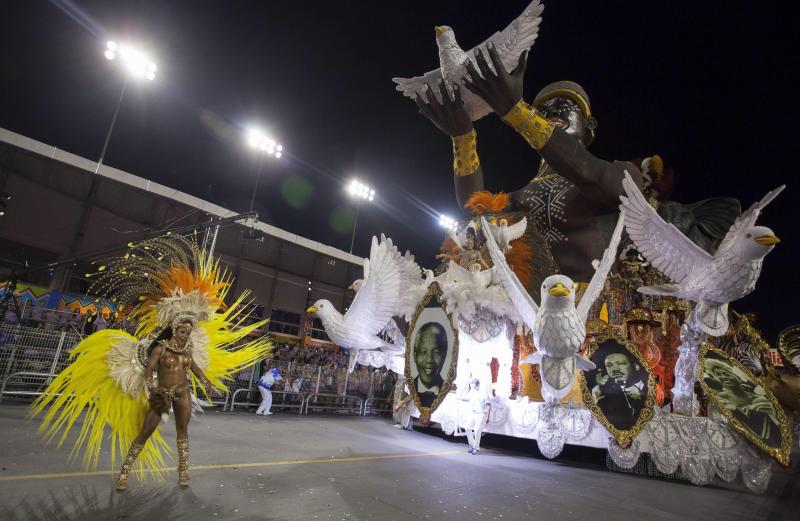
290, 467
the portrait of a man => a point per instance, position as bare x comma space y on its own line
430, 351
744, 398
619, 385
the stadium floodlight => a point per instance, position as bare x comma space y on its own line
266, 145
360, 192
448, 223
137, 65
136, 62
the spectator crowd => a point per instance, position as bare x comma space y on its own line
40, 316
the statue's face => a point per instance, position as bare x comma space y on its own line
565, 113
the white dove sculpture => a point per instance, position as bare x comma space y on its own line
710, 281
503, 233
558, 325
412, 286
475, 276
510, 43
378, 300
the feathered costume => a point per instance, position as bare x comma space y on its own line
161, 280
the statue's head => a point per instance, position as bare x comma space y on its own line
566, 104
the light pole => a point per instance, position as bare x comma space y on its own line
361, 192
265, 146
136, 65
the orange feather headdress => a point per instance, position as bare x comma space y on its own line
164, 280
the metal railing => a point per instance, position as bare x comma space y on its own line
282, 404
330, 404
25, 391
33, 356
386, 408
218, 398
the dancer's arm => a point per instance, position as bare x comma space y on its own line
201, 376
150, 368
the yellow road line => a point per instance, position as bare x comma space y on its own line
235, 465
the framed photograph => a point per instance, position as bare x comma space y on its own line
620, 391
431, 352
746, 402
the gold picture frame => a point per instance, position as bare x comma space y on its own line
782, 449
615, 341
445, 319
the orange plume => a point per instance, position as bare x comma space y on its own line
519, 260
485, 201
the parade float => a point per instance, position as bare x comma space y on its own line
593, 310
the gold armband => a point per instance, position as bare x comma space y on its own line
527, 121
465, 154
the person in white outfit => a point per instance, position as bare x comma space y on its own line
478, 407
265, 384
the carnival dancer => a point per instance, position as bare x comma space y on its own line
477, 417
265, 384
185, 341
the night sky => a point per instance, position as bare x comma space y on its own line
706, 85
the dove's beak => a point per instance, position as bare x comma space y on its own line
312, 309
352, 286
439, 30
559, 290
767, 240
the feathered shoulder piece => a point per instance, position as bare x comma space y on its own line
486, 202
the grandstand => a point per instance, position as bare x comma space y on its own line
63, 206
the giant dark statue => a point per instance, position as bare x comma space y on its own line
573, 199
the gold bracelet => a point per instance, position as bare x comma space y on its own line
527, 121
465, 154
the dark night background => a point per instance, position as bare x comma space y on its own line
707, 85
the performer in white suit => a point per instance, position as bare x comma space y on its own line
265, 384
478, 408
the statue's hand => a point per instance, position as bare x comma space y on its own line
502, 90
449, 115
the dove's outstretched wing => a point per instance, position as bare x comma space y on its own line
416, 86
379, 298
746, 220
456, 238
517, 293
455, 274
661, 243
485, 277
412, 288
599, 277
366, 270
517, 230
516, 38
495, 231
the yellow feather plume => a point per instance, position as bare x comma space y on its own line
86, 388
